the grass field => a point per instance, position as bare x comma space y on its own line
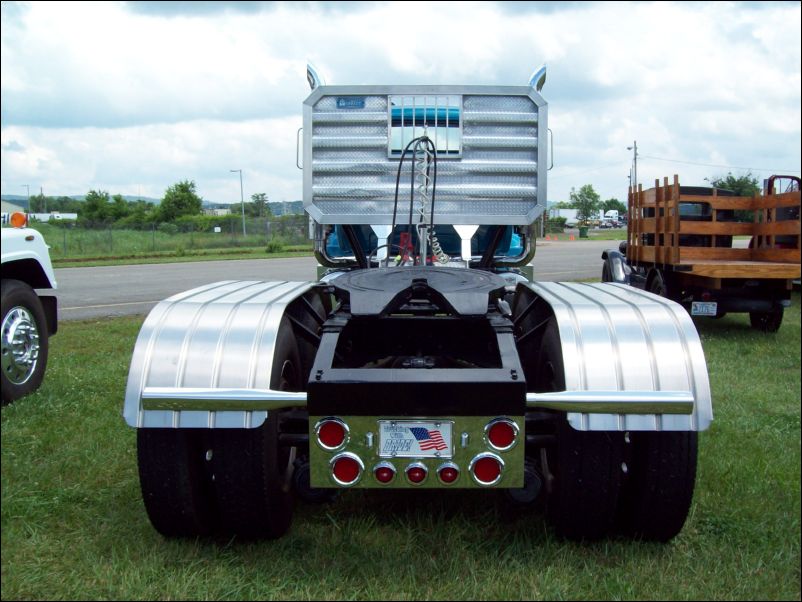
74, 526
106, 246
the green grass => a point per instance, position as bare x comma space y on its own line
89, 247
190, 256
74, 526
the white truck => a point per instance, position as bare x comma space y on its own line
423, 358
29, 309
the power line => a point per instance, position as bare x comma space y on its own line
579, 173
724, 166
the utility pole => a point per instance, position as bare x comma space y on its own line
242, 199
28, 188
634, 178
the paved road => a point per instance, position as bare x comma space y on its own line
135, 289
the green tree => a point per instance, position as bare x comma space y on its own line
39, 203
586, 202
614, 204
119, 207
96, 207
180, 199
259, 205
745, 185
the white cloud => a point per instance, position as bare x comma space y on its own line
99, 95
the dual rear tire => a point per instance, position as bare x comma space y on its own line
640, 484
230, 481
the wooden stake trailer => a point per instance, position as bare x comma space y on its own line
680, 245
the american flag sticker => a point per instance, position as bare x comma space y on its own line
428, 439
415, 438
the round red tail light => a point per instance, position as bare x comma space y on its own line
416, 472
346, 469
501, 433
486, 469
448, 473
331, 433
384, 472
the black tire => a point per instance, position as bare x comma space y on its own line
768, 321
606, 275
252, 475
658, 488
174, 482
586, 465
24, 345
657, 285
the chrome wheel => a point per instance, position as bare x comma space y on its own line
20, 345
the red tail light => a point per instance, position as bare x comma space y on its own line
346, 468
416, 473
448, 473
501, 433
486, 469
384, 472
331, 433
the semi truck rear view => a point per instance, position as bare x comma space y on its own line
422, 357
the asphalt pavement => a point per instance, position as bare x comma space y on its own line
94, 292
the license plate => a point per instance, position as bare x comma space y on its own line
415, 439
704, 308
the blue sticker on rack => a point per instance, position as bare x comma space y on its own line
350, 102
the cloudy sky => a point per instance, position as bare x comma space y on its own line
131, 97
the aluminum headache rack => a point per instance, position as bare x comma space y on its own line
490, 141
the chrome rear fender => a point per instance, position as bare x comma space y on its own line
625, 347
214, 342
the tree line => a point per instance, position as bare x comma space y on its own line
587, 201
181, 205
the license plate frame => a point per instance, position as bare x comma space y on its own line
704, 308
398, 440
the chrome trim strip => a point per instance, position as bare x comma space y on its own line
614, 402
196, 398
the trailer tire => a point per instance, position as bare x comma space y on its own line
251, 470
175, 487
586, 465
768, 321
658, 488
657, 284
24, 358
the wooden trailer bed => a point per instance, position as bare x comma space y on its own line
694, 233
